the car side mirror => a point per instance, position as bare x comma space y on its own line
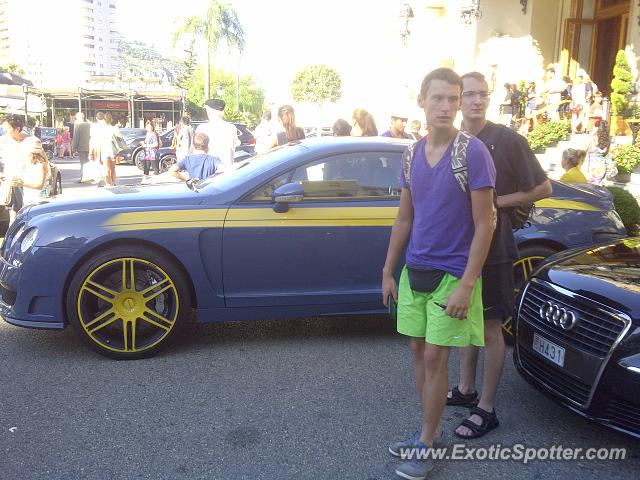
285, 194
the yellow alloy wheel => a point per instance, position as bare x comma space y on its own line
521, 271
127, 305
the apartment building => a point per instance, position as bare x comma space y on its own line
60, 44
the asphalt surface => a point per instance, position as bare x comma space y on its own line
317, 398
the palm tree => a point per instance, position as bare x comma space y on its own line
219, 23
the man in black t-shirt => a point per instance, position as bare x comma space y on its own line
520, 181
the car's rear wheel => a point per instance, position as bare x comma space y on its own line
166, 162
530, 257
128, 302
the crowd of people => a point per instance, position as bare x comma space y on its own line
559, 97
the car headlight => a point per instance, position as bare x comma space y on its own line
17, 235
28, 240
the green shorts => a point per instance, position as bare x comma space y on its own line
419, 316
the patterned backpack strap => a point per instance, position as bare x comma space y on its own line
459, 160
407, 163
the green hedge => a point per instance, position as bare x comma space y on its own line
546, 133
627, 207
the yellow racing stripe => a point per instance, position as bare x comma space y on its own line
166, 219
265, 217
565, 204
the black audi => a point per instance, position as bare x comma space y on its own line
578, 332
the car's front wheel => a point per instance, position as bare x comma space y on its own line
530, 257
138, 158
128, 302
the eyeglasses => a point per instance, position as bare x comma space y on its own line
483, 95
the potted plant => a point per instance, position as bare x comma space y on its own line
626, 157
620, 88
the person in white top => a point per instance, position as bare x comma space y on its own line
223, 136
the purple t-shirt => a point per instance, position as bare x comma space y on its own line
442, 220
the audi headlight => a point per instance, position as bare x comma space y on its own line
28, 240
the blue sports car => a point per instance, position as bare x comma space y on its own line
301, 230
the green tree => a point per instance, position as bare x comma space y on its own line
219, 23
12, 68
316, 84
251, 96
621, 84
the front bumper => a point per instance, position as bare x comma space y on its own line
590, 382
32, 287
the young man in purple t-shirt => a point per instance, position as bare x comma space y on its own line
446, 232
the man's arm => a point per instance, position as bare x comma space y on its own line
517, 199
484, 222
398, 241
175, 172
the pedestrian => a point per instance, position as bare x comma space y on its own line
12, 150
264, 132
58, 142
151, 144
223, 136
520, 181
290, 131
506, 107
364, 124
185, 138
533, 103
66, 142
396, 129
35, 174
199, 164
341, 128
571, 161
565, 97
80, 144
111, 149
445, 223
415, 130
102, 148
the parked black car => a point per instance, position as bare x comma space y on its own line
578, 332
134, 152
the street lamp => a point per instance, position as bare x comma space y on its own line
25, 89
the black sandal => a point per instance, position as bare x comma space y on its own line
459, 399
489, 422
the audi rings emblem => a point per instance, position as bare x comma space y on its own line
558, 316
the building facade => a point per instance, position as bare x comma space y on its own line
60, 44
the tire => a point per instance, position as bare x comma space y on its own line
166, 162
138, 158
58, 187
101, 309
530, 257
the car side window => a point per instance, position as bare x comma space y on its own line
357, 175
265, 191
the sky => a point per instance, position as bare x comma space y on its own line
282, 36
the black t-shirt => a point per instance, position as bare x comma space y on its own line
517, 169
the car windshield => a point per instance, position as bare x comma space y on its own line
252, 168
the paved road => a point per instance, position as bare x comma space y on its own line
306, 399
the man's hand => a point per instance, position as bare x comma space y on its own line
458, 302
389, 288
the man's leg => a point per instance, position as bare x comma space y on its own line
434, 396
468, 365
494, 355
417, 348
498, 299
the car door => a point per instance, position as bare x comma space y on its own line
326, 251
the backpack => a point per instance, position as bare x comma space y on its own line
458, 165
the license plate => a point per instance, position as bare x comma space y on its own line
548, 350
